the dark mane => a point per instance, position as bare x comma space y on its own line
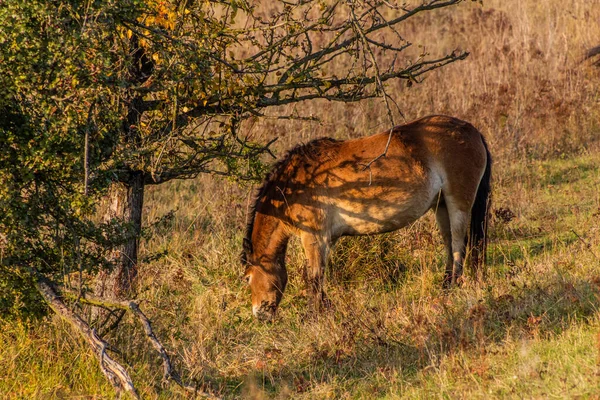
306, 150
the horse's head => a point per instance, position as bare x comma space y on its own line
267, 281
267, 290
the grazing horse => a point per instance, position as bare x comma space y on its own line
326, 189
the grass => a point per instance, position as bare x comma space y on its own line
530, 330
49, 362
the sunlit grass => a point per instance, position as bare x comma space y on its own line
529, 330
47, 362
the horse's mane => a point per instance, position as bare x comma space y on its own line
307, 151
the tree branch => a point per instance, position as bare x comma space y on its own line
114, 372
379, 85
433, 4
131, 306
410, 73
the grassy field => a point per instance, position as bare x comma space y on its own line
530, 330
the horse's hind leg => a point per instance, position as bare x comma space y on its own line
443, 221
459, 220
316, 249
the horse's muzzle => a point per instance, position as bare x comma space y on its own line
265, 312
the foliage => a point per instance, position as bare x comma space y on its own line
45, 105
42, 208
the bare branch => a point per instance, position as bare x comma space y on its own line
132, 306
410, 73
86, 150
380, 85
276, 45
431, 5
114, 372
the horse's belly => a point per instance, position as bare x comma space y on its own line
384, 205
363, 218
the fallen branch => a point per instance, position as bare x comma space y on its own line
129, 305
115, 372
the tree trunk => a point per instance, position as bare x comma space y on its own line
126, 199
125, 202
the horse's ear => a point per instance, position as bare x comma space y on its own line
247, 245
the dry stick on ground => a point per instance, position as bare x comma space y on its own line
129, 305
115, 372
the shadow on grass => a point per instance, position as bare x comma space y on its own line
565, 174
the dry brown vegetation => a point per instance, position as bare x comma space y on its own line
530, 330
523, 84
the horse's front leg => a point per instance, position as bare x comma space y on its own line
316, 249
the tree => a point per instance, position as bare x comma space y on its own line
100, 99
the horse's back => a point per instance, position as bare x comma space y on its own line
355, 190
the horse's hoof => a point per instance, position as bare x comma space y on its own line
447, 283
326, 304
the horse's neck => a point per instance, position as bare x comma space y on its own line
269, 238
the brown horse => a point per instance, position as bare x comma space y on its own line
327, 189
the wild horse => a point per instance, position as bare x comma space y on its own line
327, 189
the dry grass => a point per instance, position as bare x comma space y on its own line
531, 330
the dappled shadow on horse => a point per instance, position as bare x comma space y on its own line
327, 189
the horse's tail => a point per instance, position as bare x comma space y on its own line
479, 217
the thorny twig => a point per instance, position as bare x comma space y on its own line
385, 96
